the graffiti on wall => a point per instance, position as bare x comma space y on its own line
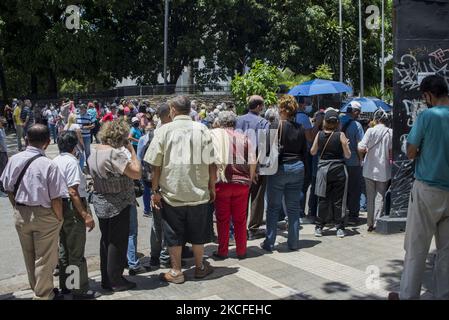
409, 68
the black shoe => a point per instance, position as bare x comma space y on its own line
139, 270
89, 295
371, 229
217, 256
266, 248
155, 262
58, 296
65, 291
128, 285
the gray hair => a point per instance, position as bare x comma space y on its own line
227, 119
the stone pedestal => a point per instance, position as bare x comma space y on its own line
421, 48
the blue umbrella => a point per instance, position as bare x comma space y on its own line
319, 86
369, 104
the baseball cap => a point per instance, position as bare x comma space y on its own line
126, 110
134, 119
331, 115
355, 105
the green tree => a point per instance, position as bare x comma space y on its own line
261, 80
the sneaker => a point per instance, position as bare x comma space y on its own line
147, 214
371, 229
139, 270
172, 277
318, 232
204, 271
341, 233
282, 225
89, 295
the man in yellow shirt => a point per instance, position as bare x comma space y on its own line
19, 124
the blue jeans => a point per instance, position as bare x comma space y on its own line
146, 198
284, 184
133, 260
85, 155
52, 129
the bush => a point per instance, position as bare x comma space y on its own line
261, 80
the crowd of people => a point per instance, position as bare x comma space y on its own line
188, 164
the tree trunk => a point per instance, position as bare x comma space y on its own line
3, 84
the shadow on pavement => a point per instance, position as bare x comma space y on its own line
218, 273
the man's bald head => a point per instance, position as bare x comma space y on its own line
38, 136
255, 102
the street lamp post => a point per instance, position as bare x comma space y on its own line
165, 44
341, 39
361, 50
382, 39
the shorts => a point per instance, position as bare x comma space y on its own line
185, 224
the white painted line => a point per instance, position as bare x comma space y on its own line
333, 271
214, 297
270, 285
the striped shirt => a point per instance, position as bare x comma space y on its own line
84, 120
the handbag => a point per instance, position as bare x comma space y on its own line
270, 167
138, 188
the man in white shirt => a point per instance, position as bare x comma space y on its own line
376, 147
77, 218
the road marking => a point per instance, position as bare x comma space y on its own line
214, 297
332, 271
259, 280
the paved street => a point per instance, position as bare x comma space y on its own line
360, 266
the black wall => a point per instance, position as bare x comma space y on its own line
421, 44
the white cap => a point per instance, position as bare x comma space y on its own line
134, 119
355, 105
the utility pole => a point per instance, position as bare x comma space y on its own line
341, 39
165, 45
382, 39
361, 50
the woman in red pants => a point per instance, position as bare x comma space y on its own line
236, 166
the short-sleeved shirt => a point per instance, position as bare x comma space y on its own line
113, 190
41, 183
354, 133
51, 116
304, 120
16, 115
136, 133
71, 170
27, 112
430, 134
93, 114
378, 141
84, 120
184, 150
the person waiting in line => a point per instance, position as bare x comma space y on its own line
113, 174
287, 182
35, 187
77, 217
331, 181
235, 171
135, 133
376, 149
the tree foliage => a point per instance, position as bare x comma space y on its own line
261, 80
124, 38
